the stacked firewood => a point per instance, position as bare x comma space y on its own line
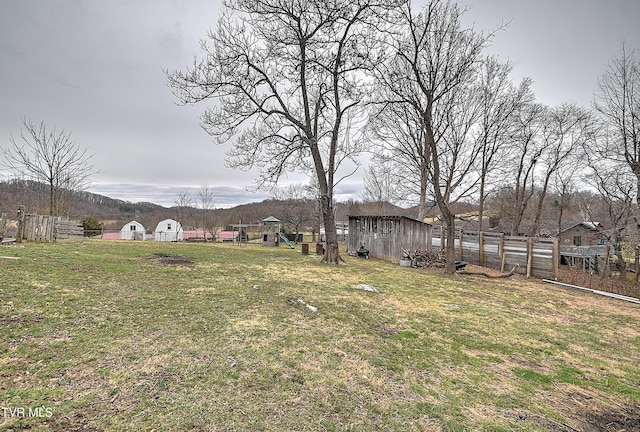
424, 259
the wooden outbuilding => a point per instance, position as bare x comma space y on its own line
385, 236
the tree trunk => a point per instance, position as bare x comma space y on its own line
332, 252
481, 204
622, 266
450, 252
52, 200
637, 265
422, 205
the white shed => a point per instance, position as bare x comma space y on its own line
132, 231
169, 230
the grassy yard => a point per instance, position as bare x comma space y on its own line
129, 336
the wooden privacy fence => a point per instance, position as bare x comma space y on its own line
3, 225
40, 228
535, 257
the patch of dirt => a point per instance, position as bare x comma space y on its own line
19, 320
171, 259
584, 411
386, 331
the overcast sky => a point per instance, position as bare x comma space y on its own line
95, 68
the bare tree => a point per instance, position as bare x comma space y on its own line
397, 129
563, 186
617, 150
527, 151
312, 192
381, 184
207, 203
433, 75
501, 102
616, 189
564, 131
618, 103
294, 206
51, 157
183, 202
286, 77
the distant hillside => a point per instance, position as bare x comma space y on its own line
34, 196
114, 213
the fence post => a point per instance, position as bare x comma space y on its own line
21, 215
556, 258
529, 256
442, 239
481, 248
3, 224
460, 256
501, 252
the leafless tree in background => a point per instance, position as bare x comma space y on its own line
616, 189
294, 206
312, 192
287, 81
183, 202
618, 103
564, 131
207, 203
51, 157
527, 151
401, 146
501, 102
381, 184
615, 156
433, 75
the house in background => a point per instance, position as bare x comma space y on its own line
581, 234
132, 231
386, 236
169, 230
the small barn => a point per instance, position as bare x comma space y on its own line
386, 236
169, 230
132, 231
270, 230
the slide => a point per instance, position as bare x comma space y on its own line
286, 240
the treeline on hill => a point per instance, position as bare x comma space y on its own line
300, 214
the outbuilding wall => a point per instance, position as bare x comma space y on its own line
386, 236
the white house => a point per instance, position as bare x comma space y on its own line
132, 231
169, 230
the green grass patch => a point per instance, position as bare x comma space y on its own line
132, 335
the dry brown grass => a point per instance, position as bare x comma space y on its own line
114, 340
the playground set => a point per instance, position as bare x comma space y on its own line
272, 234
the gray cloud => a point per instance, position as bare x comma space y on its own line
224, 196
95, 68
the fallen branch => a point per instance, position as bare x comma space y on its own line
9, 257
490, 276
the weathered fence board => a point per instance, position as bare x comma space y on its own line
41, 228
535, 257
3, 225
68, 230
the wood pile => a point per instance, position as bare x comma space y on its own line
425, 259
